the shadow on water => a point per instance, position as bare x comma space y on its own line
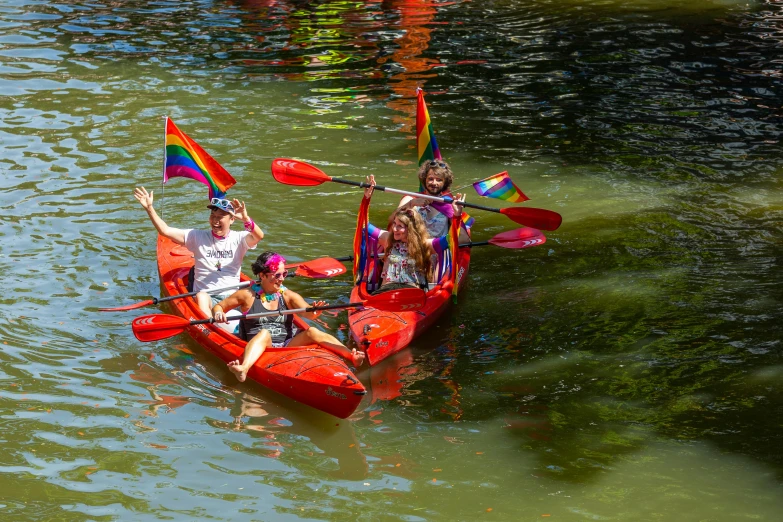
632, 339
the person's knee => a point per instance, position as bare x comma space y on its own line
264, 338
204, 301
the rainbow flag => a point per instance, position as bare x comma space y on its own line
184, 158
500, 186
427, 145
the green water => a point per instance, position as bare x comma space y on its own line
628, 369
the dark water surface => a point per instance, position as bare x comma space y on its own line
628, 369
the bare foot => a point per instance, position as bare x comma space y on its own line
236, 368
357, 357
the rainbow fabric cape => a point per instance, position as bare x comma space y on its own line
426, 143
362, 242
184, 158
453, 246
500, 186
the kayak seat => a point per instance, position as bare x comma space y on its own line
191, 277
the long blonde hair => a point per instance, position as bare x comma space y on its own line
417, 238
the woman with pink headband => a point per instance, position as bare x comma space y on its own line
279, 330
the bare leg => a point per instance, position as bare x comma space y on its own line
204, 301
254, 349
325, 340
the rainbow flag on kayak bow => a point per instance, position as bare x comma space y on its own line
500, 186
426, 144
184, 158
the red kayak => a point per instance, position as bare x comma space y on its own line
308, 374
382, 334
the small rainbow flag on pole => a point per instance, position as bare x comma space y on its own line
184, 158
500, 186
427, 145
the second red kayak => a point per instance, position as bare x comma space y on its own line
381, 334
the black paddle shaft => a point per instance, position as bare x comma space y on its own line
445, 199
290, 311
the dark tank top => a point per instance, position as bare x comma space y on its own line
281, 327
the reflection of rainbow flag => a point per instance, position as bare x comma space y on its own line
500, 186
427, 145
184, 158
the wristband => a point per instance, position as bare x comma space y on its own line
250, 225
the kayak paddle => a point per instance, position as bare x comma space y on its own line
301, 174
161, 326
518, 238
320, 268
524, 237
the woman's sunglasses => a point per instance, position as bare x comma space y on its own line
280, 275
222, 204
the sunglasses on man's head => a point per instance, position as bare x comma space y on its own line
436, 163
222, 204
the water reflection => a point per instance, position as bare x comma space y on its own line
297, 434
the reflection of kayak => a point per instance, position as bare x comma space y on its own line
388, 378
309, 374
382, 334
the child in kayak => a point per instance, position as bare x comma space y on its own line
408, 248
279, 330
435, 179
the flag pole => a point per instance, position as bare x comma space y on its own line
163, 180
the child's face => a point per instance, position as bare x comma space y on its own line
434, 183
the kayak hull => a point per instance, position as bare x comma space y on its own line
381, 334
307, 374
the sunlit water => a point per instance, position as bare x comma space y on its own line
628, 369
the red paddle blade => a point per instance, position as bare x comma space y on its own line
398, 300
134, 306
320, 268
519, 238
156, 327
298, 173
534, 217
